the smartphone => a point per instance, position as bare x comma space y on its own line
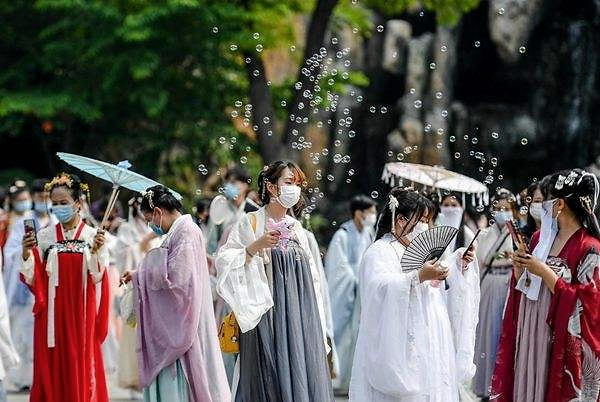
29, 225
472, 243
517, 235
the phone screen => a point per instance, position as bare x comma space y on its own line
516, 235
29, 225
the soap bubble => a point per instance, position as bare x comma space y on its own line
374, 194
522, 49
524, 141
379, 28
418, 104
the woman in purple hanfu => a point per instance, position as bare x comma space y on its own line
178, 350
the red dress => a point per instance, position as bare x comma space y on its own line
574, 318
72, 370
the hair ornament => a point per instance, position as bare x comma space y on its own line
148, 195
392, 205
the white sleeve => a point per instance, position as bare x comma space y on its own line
463, 311
391, 328
241, 280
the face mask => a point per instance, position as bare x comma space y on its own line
450, 216
369, 220
64, 213
22, 206
157, 229
502, 217
41, 207
231, 191
289, 195
535, 210
417, 230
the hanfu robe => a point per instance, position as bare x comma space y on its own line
178, 349
71, 315
416, 340
277, 300
550, 348
341, 267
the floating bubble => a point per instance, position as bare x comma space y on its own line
400, 156
351, 172
233, 140
474, 140
440, 131
233, 47
337, 158
256, 35
444, 48
372, 109
359, 98
457, 155
427, 127
495, 135
444, 113
390, 153
354, 30
337, 143
259, 48
432, 66
346, 159
452, 138
374, 194
243, 160
465, 137
325, 152
438, 95
330, 177
412, 91
333, 223
222, 140
439, 145
215, 29
334, 40
418, 104
292, 48
383, 110
351, 134
524, 141
199, 192
238, 103
501, 11
379, 28
479, 208
234, 113
500, 177
477, 43
348, 180
522, 49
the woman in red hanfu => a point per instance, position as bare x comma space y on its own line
64, 269
550, 343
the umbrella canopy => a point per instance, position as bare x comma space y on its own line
436, 177
119, 175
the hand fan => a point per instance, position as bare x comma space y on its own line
427, 246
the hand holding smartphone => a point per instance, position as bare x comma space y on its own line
29, 225
517, 235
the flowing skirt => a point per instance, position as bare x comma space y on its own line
494, 290
169, 386
283, 359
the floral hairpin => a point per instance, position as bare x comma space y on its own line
61, 180
392, 205
148, 195
560, 182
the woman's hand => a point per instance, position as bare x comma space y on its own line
27, 244
530, 263
432, 271
99, 241
126, 277
268, 240
467, 258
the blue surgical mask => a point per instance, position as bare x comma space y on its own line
502, 217
157, 229
64, 213
231, 191
41, 207
22, 206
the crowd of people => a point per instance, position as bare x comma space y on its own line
237, 301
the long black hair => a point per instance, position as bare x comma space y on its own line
580, 190
272, 173
161, 197
411, 205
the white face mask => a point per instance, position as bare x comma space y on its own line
450, 216
289, 195
502, 217
535, 210
369, 220
417, 230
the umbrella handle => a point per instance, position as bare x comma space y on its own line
109, 207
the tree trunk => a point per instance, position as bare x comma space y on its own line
270, 144
300, 109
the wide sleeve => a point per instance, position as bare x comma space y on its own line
341, 277
392, 353
241, 280
463, 311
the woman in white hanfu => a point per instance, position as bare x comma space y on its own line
416, 339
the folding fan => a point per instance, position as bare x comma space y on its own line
429, 245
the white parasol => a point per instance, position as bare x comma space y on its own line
435, 177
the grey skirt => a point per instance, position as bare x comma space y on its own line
283, 359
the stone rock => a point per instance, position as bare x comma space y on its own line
395, 45
510, 24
